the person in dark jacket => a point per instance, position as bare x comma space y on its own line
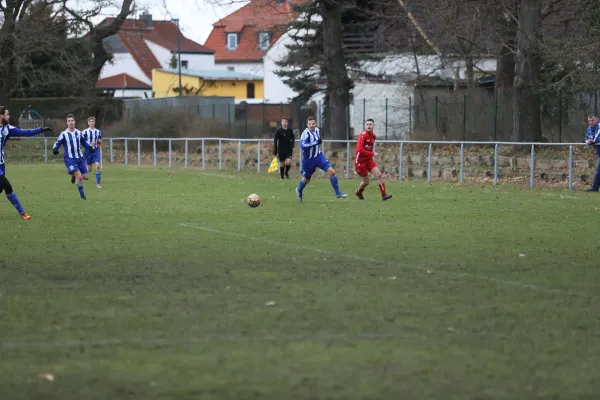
284, 147
592, 138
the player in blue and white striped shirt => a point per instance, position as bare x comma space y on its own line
94, 137
7, 131
313, 158
71, 139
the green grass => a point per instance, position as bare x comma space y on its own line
165, 285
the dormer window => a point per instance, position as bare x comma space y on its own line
264, 40
232, 41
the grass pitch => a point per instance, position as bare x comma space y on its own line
165, 285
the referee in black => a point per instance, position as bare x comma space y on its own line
284, 147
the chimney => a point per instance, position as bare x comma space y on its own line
147, 18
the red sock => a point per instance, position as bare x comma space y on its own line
360, 190
382, 188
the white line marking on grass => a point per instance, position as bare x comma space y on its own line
562, 196
518, 284
219, 175
152, 342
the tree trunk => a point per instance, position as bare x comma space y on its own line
526, 96
338, 83
6, 58
505, 72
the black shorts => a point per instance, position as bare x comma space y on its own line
284, 156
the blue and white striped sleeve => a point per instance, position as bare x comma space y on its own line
60, 141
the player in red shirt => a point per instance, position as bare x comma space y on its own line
364, 163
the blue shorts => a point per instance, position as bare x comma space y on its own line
92, 156
76, 164
2, 169
309, 166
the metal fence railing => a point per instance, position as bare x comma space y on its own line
571, 163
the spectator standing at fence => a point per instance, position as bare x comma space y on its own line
7, 131
284, 147
592, 138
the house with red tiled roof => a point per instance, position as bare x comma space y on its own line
142, 45
251, 39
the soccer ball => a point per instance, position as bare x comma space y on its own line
253, 200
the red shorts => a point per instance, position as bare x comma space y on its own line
363, 167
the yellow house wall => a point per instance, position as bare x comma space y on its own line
163, 84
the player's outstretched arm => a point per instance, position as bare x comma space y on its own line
99, 138
16, 132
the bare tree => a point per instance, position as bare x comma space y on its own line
97, 33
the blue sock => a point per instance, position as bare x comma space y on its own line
98, 175
334, 182
15, 202
80, 188
302, 185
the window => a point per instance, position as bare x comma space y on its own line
263, 40
184, 64
250, 90
232, 41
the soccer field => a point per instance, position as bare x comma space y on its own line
166, 285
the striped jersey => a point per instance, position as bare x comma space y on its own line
92, 135
8, 130
309, 143
72, 142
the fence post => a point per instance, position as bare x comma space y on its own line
239, 156
263, 117
348, 160
496, 115
139, 153
258, 158
46, 150
386, 118
245, 122
323, 151
154, 151
364, 110
186, 154
110, 149
229, 118
571, 167
169, 153
559, 116
203, 157
532, 166
464, 117
409, 117
436, 113
496, 163
462, 163
400, 171
126, 152
220, 154
429, 163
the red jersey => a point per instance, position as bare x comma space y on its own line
364, 146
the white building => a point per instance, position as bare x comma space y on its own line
142, 45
